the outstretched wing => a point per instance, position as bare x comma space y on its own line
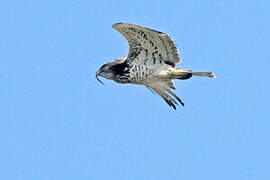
148, 46
163, 89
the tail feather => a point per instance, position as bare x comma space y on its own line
178, 73
207, 74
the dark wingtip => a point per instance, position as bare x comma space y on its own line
170, 103
115, 24
118, 23
179, 100
138, 26
173, 105
182, 103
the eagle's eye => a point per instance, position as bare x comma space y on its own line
104, 66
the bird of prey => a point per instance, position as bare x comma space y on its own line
150, 62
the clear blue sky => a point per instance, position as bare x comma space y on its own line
58, 122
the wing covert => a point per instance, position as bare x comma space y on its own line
147, 44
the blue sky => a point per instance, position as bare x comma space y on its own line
58, 122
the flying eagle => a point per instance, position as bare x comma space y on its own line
150, 62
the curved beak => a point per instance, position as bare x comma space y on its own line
98, 74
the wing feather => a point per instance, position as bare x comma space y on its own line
165, 97
148, 44
164, 91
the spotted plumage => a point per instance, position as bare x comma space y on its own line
150, 62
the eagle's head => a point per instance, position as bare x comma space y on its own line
111, 70
106, 71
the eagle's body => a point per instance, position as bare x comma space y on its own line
150, 62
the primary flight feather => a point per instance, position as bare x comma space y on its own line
150, 62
